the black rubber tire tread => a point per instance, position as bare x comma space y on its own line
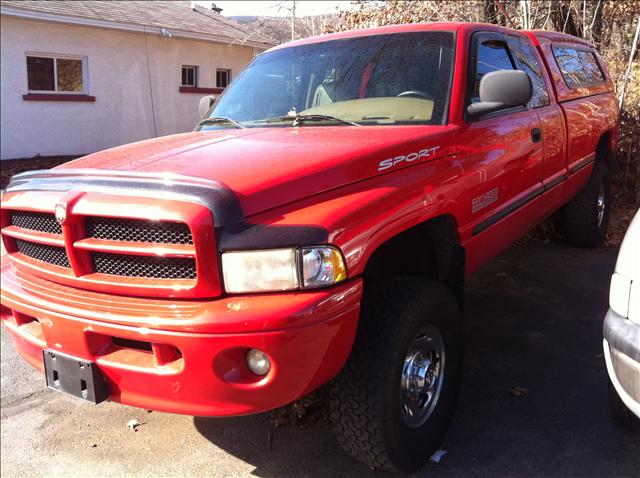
363, 403
620, 412
581, 215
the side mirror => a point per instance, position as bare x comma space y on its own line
206, 102
502, 89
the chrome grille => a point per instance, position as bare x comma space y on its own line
36, 221
45, 253
138, 230
144, 266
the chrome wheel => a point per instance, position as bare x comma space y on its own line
422, 377
601, 205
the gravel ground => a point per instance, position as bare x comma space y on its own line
533, 322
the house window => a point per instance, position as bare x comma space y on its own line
223, 77
56, 74
189, 75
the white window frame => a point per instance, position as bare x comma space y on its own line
228, 70
195, 75
85, 73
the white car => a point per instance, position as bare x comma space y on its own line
622, 331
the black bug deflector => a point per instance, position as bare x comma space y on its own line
217, 197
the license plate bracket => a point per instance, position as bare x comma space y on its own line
74, 376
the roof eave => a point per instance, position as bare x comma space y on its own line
128, 27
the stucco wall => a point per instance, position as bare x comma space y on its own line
117, 77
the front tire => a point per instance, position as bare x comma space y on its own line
393, 402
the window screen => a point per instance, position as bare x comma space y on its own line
492, 56
69, 74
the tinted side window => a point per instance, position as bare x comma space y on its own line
492, 56
529, 64
579, 67
592, 70
570, 66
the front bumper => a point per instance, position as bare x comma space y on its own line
195, 360
622, 354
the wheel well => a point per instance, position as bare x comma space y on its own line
430, 249
603, 153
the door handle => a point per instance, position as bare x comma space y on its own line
536, 135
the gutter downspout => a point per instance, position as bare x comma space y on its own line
153, 107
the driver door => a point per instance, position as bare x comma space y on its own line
502, 156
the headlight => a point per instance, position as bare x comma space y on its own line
619, 294
258, 271
282, 269
321, 266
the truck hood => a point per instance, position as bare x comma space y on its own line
270, 167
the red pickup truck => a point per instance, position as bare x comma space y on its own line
316, 227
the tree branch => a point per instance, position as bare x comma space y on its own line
633, 53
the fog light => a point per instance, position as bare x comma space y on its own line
258, 362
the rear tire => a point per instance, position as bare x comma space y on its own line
620, 412
408, 348
586, 216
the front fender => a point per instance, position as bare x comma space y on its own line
360, 217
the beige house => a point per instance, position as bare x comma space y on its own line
78, 77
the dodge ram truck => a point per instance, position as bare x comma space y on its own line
315, 228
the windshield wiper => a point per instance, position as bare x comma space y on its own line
219, 120
301, 118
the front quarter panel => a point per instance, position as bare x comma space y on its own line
362, 216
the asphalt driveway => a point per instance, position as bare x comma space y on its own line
533, 401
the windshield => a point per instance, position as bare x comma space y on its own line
400, 78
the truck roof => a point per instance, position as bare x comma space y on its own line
435, 26
557, 37
401, 28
